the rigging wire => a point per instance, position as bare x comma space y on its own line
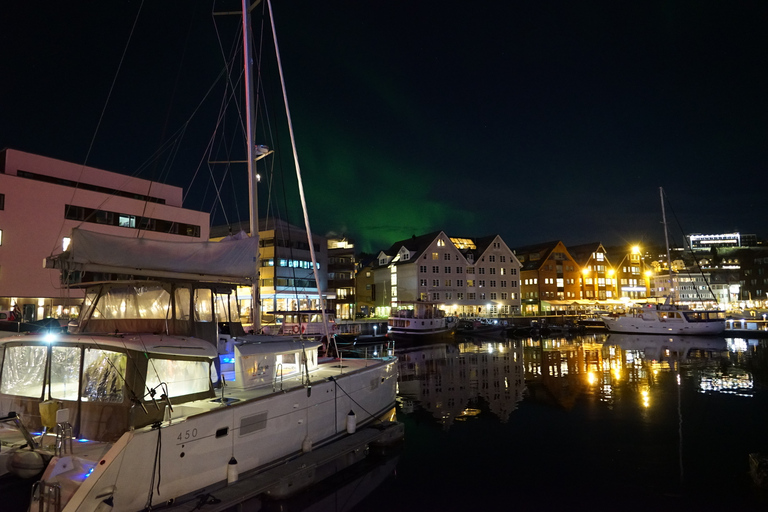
688, 247
101, 118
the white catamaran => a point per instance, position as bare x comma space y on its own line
146, 402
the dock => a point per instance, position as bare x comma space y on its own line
298, 474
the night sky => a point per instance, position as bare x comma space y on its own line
534, 120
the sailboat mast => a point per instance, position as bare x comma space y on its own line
666, 238
251, 147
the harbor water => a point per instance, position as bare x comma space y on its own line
589, 422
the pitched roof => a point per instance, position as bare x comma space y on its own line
582, 253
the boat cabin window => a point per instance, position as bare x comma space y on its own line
288, 363
65, 372
182, 302
23, 371
203, 305
103, 372
132, 302
182, 377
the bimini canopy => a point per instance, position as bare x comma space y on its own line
230, 260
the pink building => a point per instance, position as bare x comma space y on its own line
42, 199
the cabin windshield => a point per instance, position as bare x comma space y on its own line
102, 379
226, 307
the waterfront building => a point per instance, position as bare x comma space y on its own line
632, 278
365, 289
549, 278
700, 242
286, 279
469, 276
341, 277
42, 199
597, 274
687, 287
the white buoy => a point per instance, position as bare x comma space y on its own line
351, 422
232, 471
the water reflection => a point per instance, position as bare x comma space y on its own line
449, 380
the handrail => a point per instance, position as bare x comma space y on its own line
13, 417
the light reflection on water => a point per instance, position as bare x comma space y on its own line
655, 422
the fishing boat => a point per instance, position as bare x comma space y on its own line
419, 321
157, 396
667, 318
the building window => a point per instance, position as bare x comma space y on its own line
423, 269
447, 257
459, 270
481, 270
2, 201
492, 258
435, 269
422, 282
435, 256
435, 296
447, 270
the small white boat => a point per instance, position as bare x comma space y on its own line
419, 321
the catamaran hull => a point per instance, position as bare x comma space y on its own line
194, 453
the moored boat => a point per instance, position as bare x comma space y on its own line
145, 408
419, 321
485, 326
666, 319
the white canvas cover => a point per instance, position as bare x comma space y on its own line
231, 259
